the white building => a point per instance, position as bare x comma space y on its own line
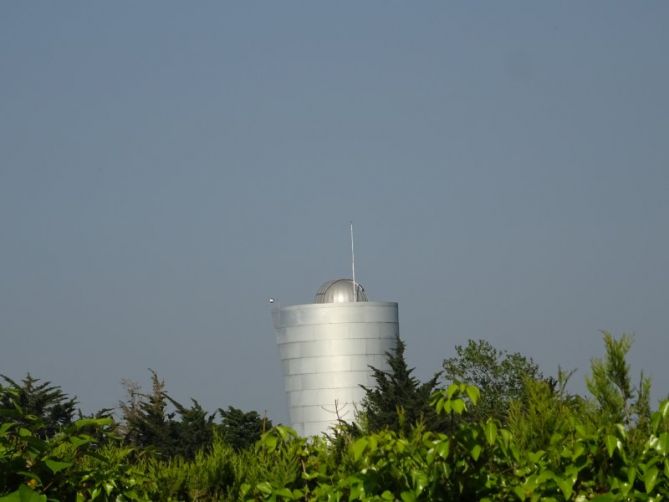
326, 349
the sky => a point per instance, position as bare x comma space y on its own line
166, 167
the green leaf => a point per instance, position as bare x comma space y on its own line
109, 487
284, 492
358, 447
387, 495
458, 406
650, 478
476, 451
474, 393
96, 422
407, 497
663, 444
612, 443
631, 475
357, 492
55, 466
372, 444
566, 484
490, 431
447, 406
506, 436
299, 494
420, 481
23, 494
78, 441
264, 487
664, 409
452, 390
520, 492
622, 433
270, 441
244, 489
442, 448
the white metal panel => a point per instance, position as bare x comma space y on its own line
326, 351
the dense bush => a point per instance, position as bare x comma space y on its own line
550, 446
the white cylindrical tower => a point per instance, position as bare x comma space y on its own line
327, 348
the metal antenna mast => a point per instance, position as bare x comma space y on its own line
355, 284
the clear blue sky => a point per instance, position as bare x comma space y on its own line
165, 167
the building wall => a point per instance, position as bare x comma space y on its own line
326, 350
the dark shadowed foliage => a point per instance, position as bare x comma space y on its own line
399, 400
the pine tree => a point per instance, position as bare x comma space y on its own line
193, 432
242, 429
618, 401
47, 402
399, 400
146, 422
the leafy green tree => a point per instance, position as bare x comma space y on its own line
242, 429
47, 402
498, 374
399, 400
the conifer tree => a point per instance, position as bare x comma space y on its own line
618, 401
193, 432
399, 400
46, 401
148, 424
242, 429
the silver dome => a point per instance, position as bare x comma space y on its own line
339, 291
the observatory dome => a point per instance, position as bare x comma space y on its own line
340, 291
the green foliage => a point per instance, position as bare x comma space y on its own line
618, 401
65, 466
398, 400
553, 447
47, 402
217, 474
148, 425
193, 432
545, 409
498, 374
242, 429
146, 421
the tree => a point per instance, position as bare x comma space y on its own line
545, 409
399, 400
194, 432
148, 424
617, 400
242, 429
499, 375
47, 402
